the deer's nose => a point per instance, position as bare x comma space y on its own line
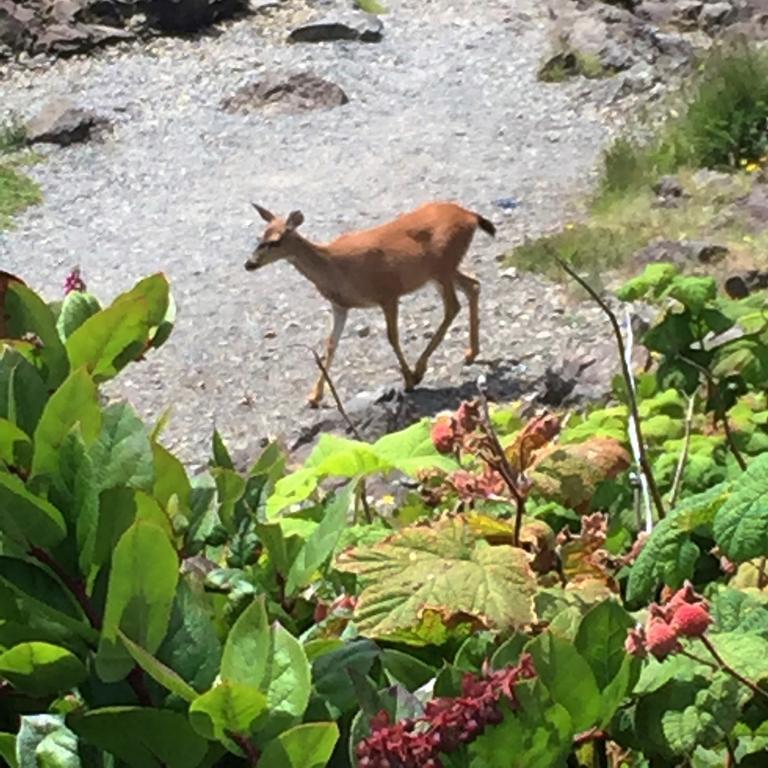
250, 265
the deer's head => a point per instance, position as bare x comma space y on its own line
275, 242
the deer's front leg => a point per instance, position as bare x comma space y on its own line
337, 328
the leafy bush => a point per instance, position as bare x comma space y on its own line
278, 617
17, 191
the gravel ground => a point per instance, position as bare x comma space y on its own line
446, 106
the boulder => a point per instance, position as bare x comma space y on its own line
352, 25
185, 16
61, 122
685, 253
293, 93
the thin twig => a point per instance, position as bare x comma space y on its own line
720, 413
329, 381
75, 586
677, 483
505, 469
361, 494
762, 580
730, 670
645, 464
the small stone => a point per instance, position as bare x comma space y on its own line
61, 122
363, 330
345, 26
716, 14
510, 273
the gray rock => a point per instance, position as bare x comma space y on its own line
342, 26
740, 285
191, 15
292, 93
61, 122
716, 14
668, 186
684, 253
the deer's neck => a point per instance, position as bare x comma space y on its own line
313, 261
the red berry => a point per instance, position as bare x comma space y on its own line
660, 638
691, 619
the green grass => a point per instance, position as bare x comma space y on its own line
724, 124
622, 225
719, 120
17, 191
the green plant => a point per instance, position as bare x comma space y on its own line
282, 617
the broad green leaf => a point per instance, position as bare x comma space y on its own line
653, 282
537, 735
693, 292
76, 308
44, 741
45, 599
142, 737
28, 313
411, 450
8, 749
15, 445
26, 519
670, 555
114, 336
23, 393
192, 646
158, 671
170, 478
406, 669
269, 659
741, 524
221, 457
321, 543
40, 669
600, 640
331, 672
568, 678
73, 490
737, 610
304, 746
142, 584
230, 487
745, 652
424, 578
291, 489
58, 750
371, 6
228, 708
570, 474
75, 401
122, 455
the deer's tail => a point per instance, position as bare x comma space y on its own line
486, 225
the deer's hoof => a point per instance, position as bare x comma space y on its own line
470, 356
313, 401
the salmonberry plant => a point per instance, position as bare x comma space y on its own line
509, 599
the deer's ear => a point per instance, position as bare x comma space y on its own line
263, 212
295, 219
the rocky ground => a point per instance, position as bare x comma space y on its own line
446, 105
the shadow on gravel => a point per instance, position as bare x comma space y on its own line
389, 409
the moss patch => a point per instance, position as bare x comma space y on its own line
17, 192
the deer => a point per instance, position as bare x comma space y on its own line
376, 267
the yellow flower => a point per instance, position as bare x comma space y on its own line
387, 498
743, 161
570, 225
747, 239
752, 167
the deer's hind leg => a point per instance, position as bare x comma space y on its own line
470, 287
451, 308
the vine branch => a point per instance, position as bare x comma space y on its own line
645, 464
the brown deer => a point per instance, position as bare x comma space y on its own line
375, 267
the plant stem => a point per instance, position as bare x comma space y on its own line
360, 493
762, 580
730, 670
75, 586
136, 680
677, 483
645, 464
720, 413
505, 470
250, 750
